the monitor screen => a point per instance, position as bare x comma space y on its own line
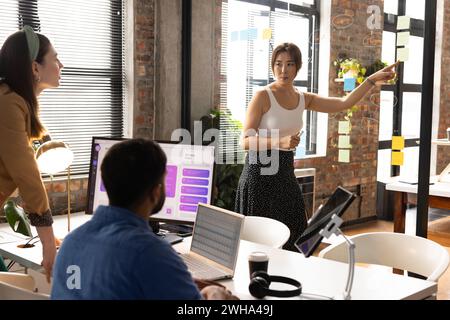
310, 239
189, 179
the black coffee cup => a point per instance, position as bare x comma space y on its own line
258, 261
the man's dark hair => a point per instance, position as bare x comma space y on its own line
132, 168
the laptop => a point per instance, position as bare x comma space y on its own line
215, 243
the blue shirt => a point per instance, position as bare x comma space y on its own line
116, 255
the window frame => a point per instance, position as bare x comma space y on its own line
417, 29
312, 13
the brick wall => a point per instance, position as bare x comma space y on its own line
444, 152
144, 55
351, 36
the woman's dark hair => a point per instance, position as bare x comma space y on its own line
130, 169
16, 72
292, 50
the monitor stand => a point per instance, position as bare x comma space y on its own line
180, 229
166, 236
333, 228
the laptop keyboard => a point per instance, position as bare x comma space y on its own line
201, 270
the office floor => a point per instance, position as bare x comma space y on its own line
439, 231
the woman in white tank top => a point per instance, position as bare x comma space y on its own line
272, 131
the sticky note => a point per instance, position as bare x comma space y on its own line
398, 143
349, 84
344, 142
252, 34
403, 54
398, 158
344, 127
267, 34
244, 35
344, 156
403, 23
235, 36
403, 38
301, 149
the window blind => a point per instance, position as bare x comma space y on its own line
88, 36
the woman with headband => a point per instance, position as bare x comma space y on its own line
28, 65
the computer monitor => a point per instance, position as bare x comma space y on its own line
310, 239
189, 179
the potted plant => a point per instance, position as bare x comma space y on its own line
227, 175
351, 68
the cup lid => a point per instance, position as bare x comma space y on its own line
258, 256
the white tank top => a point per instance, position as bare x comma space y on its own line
289, 122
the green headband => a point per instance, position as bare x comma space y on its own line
33, 42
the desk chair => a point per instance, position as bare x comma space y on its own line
265, 231
397, 250
18, 286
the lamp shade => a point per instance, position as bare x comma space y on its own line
53, 157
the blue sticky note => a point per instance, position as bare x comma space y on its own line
252, 34
300, 152
349, 84
235, 36
244, 35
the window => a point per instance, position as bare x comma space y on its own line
88, 36
401, 105
250, 31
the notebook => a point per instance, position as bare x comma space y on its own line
215, 243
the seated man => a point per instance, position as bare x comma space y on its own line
116, 255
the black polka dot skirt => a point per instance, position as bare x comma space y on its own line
277, 196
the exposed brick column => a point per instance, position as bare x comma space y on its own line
351, 36
144, 13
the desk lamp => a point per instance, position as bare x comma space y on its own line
54, 157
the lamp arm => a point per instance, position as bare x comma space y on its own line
351, 266
68, 199
333, 228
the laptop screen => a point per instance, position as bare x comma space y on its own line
336, 204
189, 179
216, 235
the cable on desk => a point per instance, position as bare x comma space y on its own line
26, 244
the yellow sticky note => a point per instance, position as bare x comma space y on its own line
398, 158
398, 143
403, 23
403, 38
403, 54
344, 142
344, 156
267, 34
344, 127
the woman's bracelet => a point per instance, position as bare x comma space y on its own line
371, 82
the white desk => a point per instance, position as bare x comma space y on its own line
32, 257
318, 276
439, 197
323, 277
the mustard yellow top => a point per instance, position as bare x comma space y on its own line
18, 167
